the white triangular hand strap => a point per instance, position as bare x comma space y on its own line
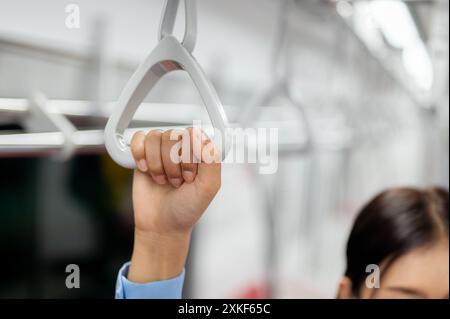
168, 56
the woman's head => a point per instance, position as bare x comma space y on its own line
403, 234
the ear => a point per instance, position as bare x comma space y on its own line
345, 289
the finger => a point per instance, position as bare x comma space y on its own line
138, 151
153, 156
188, 162
209, 170
170, 154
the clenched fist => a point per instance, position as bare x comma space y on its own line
178, 175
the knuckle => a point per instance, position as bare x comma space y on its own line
165, 136
153, 135
136, 137
136, 142
155, 165
171, 168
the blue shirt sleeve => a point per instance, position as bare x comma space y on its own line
167, 289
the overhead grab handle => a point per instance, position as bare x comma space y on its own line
40, 119
167, 25
169, 55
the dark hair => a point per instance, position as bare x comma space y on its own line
392, 224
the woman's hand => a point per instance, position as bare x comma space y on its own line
178, 175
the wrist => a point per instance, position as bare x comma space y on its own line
158, 256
